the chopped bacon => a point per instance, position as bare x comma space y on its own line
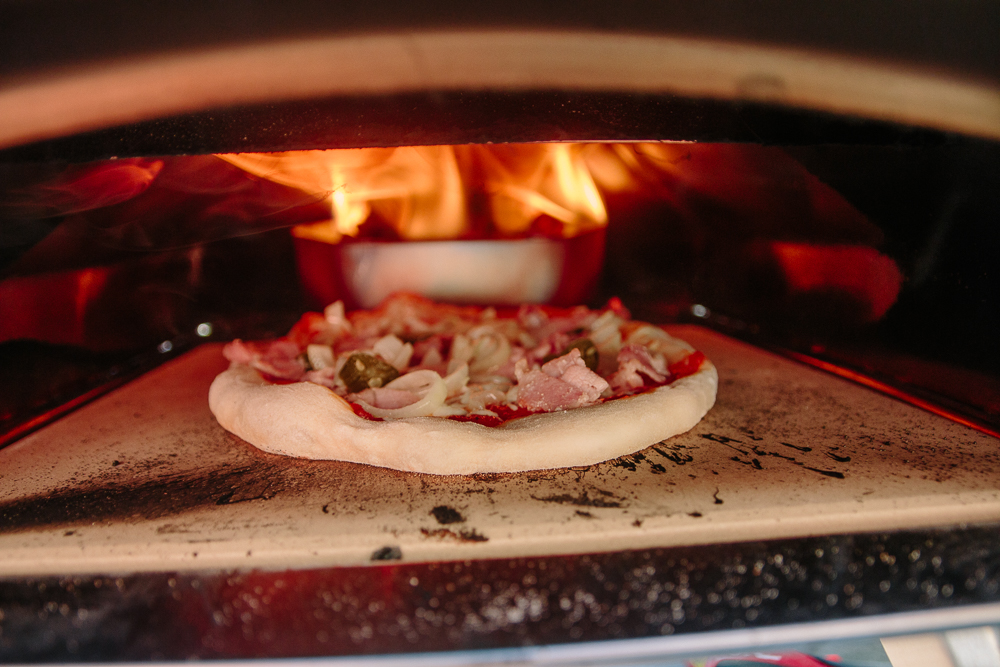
634, 361
239, 352
282, 360
553, 344
278, 359
560, 384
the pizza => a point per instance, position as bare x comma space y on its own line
442, 389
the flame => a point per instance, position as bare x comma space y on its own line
441, 192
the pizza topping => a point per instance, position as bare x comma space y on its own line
634, 362
560, 384
363, 371
319, 357
587, 350
412, 357
426, 388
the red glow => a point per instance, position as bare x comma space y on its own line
864, 273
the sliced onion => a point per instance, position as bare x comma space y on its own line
450, 411
491, 351
461, 352
607, 338
457, 379
394, 351
319, 356
657, 340
426, 384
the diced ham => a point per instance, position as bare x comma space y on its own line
282, 361
554, 343
386, 398
279, 358
560, 384
634, 361
239, 352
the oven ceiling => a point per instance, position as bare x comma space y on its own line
69, 67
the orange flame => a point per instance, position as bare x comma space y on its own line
428, 192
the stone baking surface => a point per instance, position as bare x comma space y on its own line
144, 479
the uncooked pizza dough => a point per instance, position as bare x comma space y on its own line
309, 420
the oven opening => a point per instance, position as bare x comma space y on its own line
844, 291
860, 256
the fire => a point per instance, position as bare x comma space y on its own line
444, 192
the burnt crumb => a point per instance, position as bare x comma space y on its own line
797, 448
756, 464
387, 553
116, 463
657, 468
465, 535
326, 508
637, 523
696, 515
838, 459
585, 515
716, 498
69, 532
445, 515
582, 500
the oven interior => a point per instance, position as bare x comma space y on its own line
839, 270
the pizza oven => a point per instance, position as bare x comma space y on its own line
806, 194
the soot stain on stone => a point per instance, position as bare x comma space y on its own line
675, 455
464, 535
145, 499
446, 515
625, 462
387, 553
582, 500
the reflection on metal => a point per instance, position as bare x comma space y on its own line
889, 390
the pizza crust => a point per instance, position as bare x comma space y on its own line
307, 420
